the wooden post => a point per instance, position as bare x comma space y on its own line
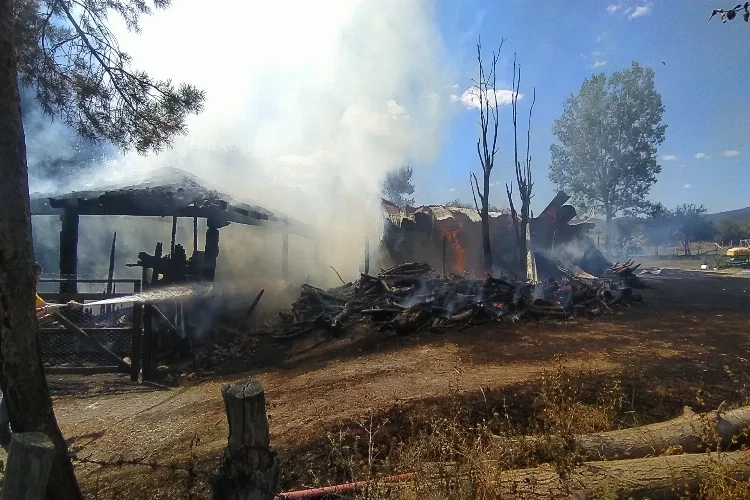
211, 252
195, 235
158, 250
147, 342
444, 243
136, 338
111, 271
30, 458
69, 252
285, 251
367, 256
249, 468
174, 236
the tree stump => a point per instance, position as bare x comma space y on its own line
249, 469
30, 458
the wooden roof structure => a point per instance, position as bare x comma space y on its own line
169, 193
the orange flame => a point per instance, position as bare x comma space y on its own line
459, 255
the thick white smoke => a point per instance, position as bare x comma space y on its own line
308, 105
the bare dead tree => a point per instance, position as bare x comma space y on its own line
485, 88
523, 174
729, 14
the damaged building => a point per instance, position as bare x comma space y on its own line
450, 239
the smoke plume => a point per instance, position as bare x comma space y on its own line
309, 104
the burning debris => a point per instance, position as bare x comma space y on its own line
412, 297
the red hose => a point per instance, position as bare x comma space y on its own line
339, 488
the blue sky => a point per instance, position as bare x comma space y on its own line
703, 83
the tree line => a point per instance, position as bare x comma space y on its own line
681, 226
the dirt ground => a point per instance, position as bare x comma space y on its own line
688, 343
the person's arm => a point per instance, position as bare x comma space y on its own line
44, 308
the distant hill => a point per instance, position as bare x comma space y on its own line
741, 215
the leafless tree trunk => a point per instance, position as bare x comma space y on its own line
523, 175
21, 374
485, 88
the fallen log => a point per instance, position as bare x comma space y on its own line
689, 433
656, 477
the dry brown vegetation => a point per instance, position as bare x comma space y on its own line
371, 405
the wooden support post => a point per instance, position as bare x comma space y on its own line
69, 252
111, 271
136, 338
367, 255
195, 235
144, 277
148, 355
249, 468
174, 236
285, 251
444, 243
30, 458
158, 251
211, 252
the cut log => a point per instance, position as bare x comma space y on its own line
249, 469
29, 463
689, 433
675, 476
653, 478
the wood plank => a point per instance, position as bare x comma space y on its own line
65, 331
59, 297
94, 281
81, 370
148, 359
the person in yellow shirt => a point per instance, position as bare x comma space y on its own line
44, 308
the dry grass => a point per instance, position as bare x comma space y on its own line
457, 447
465, 448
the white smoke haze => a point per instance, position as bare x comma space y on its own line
308, 105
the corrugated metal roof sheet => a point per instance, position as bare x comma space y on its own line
438, 212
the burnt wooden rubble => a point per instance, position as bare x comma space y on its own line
411, 297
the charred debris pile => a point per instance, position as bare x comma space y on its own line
411, 297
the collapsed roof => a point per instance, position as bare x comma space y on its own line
169, 192
417, 234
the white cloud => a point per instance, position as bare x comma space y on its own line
612, 8
599, 64
452, 189
455, 86
596, 53
454, 98
730, 153
669, 157
702, 156
641, 11
394, 108
433, 96
470, 97
687, 186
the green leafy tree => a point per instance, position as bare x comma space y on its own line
397, 186
729, 230
608, 135
64, 51
692, 225
659, 228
